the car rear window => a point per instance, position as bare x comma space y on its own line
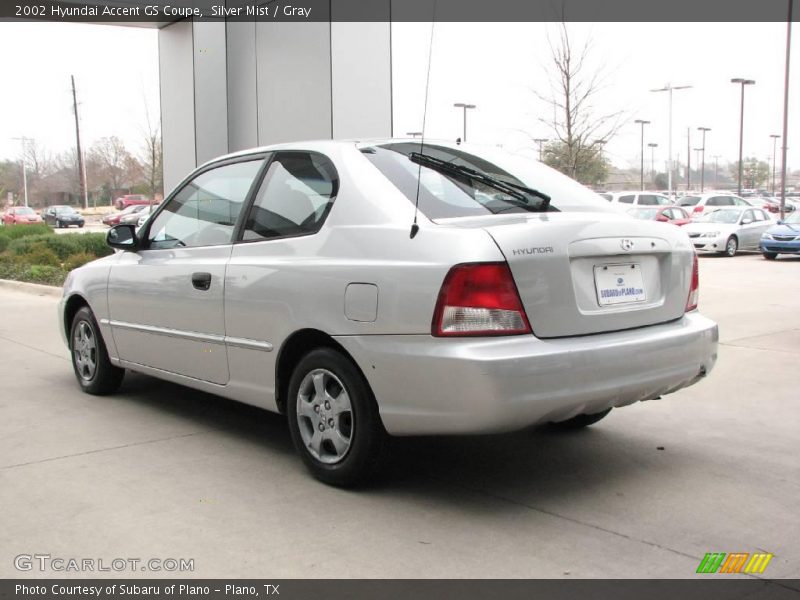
443, 196
688, 200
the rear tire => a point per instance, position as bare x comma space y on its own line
731, 246
93, 369
770, 255
580, 421
334, 420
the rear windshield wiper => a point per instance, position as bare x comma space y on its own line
518, 192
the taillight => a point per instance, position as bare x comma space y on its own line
698, 209
479, 299
694, 288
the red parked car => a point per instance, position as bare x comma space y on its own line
130, 200
666, 214
19, 215
113, 219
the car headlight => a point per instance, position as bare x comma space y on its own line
710, 234
767, 236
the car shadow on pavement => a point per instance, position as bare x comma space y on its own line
540, 463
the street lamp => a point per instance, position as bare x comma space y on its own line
670, 88
464, 107
697, 152
540, 141
716, 169
652, 146
703, 163
24, 141
742, 82
641, 150
774, 137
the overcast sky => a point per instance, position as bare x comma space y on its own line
496, 66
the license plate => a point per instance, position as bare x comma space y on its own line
619, 284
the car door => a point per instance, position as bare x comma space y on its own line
277, 272
760, 224
747, 229
166, 299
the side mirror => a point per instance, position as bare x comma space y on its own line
122, 237
747, 221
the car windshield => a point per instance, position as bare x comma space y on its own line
723, 215
65, 210
647, 214
689, 201
792, 219
447, 193
25, 210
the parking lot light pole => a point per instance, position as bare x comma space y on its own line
775, 138
652, 146
703, 161
742, 82
641, 150
24, 141
670, 88
540, 141
464, 107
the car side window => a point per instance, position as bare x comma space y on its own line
294, 199
626, 199
747, 216
739, 202
759, 215
205, 210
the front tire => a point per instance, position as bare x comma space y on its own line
731, 246
334, 420
93, 369
770, 255
580, 421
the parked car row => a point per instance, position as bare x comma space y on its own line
720, 223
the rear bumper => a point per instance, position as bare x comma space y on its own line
427, 385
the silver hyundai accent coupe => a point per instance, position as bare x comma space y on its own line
382, 288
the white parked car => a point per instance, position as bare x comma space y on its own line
385, 288
636, 199
728, 230
698, 204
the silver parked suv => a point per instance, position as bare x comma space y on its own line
391, 287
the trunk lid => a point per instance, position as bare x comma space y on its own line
583, 273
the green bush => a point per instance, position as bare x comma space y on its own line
40, 255
3, 243
64, 245
15, 232
78, 260
46, 275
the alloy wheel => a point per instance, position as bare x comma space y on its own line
84, 350
325, 416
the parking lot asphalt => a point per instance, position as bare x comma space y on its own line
160, 471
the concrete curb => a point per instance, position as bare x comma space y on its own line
31, 288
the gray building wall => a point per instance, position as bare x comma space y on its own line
228, 86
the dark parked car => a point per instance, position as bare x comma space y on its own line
62, 216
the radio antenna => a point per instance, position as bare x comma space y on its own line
414, 226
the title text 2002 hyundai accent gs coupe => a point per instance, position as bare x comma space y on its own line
290, 277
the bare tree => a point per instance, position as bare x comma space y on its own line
151, 157
113, 167
579, 131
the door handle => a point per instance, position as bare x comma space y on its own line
201, 281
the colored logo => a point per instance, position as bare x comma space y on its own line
735, 562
